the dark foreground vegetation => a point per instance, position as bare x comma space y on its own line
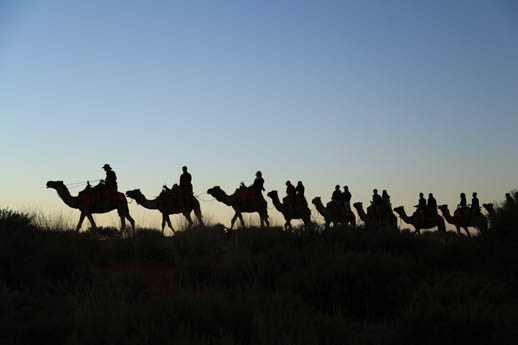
252, 286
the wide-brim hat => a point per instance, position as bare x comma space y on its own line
107, 166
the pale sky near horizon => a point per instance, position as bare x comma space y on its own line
408, 96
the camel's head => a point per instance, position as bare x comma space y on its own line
358, 205
316, 200
273, 194
134, 194
55, 184
216, 190
399, 210
443, 207
489, 208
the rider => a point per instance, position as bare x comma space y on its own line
346, 197
185, 182
385, 198
463, 202
509, 199
376, 198
300, 194
421, 205
110, 182
475, 205
258, 185
337, 194
432, 204
290, 192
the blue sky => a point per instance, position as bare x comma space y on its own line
407, 96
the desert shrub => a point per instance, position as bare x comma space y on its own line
458, 307
11, 221
504, 222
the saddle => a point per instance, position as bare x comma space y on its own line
176, 197
426, 215
377, 213
339, 210
462, 214
246, 194
93, 196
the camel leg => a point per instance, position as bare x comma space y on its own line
187, 216
91, 219
287, 225
458, 229
123, 225
467, 231
263, 216
197, 212
164, 217
241, 219
233, 221
168, 220
132, 222
81, 218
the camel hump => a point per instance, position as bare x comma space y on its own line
93, 196
176, 197
247, 194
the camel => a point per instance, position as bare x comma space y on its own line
118, 203
477, 221
418, 223
331, 215
490, 209
248, 206
390, 219
166, 205
290, 213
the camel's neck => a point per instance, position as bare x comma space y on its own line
277, 203
447, 215
406, 218
361, 214
68, 199
149, 204
224, 198
321, 209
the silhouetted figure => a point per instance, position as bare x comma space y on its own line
290, 192
258, 185
463, 202
475, 204
385, 198
432, 204
110, 182
185, 182
337, 194
509, 201
346, 196
421, 205
376, 198
300, 194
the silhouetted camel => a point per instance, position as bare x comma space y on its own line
421, 222
388, 219
289, 213
167, 205
104, 205
489, 208
478, 221
331, 213
258, 205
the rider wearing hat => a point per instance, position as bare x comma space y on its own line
110, 181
